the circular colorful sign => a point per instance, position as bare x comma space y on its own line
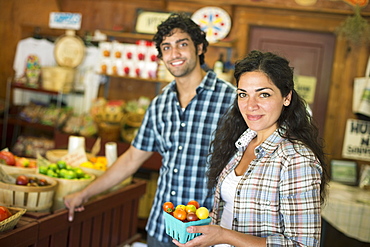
214, 21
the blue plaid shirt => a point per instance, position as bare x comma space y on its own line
183, 139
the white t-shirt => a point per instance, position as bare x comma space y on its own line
41, 48
228, 190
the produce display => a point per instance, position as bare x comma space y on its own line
98, 163
192, 211
4, 213
179, 218
61, 169
30, 181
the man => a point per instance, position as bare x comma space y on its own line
178, 124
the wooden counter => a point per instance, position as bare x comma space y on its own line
108, 220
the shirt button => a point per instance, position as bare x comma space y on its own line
180, 147
238, 193
235, 220
175, 170
183, 124
173, 193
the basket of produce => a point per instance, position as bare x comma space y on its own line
179, 218
9, 217
14, 164
33, 192
70, 179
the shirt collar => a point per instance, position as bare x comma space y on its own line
268, 146
208, 82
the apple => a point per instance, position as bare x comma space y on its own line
21, 180
7, 157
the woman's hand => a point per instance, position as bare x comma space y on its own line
211, 235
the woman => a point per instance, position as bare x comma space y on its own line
267, 166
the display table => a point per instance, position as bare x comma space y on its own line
108, 220
348, 210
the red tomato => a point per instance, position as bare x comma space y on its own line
192, 217
4, 213
168, 207
195, 203
8, 157
180, 214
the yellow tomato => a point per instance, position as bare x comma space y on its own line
202, 213
180, 207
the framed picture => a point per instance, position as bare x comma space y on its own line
344, 171
147, 21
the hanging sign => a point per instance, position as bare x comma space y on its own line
63, 20
306, 87
148, 21
356, 144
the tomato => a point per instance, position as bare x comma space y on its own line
192, 217
168, 207
180, 207
202, 213
195, 203
190, 208
8, 157
4, 213
21, 180
179, 214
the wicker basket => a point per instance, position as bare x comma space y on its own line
69, 186
109, 132
58, 79
12, 221
17, 169
31, 198
56, 154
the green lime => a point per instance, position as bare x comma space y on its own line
87, 176
68, 167
43, 170
79, 172
51, 173
70, 175
53, 167
62, 164
62, 173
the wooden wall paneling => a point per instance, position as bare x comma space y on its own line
324, 6
110, 15
349, 62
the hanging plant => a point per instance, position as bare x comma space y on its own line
355, 28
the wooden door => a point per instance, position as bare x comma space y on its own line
311, 55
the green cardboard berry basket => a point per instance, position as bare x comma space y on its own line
177, 229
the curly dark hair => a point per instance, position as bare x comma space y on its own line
186, 24
298, 124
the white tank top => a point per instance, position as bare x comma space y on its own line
228, 189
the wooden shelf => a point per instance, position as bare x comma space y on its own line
136, 36
20, 122
151, 80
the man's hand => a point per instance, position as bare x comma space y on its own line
74, 202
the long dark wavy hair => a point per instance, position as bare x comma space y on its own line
294, 118
186, 24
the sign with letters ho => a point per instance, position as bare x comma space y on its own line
356, 144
